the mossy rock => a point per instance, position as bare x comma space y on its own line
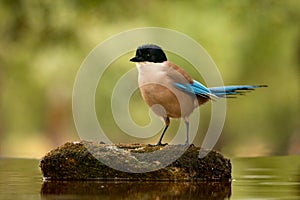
78, 161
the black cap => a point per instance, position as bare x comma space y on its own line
150, 53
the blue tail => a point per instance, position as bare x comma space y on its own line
233, 90
227, 91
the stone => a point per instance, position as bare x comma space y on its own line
85, 161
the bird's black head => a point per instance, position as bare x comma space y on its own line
150, 53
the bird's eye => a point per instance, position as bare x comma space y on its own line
148, 55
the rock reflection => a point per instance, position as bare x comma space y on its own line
137, 190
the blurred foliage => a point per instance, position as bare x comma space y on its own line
43, 44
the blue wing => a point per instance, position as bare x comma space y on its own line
195, 88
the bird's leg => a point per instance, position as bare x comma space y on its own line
167, 122
186, 121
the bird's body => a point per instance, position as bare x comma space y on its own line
169, 91
156, 80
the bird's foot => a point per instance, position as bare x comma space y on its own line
186, 143
159, 144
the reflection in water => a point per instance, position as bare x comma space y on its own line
254, 178
137, 190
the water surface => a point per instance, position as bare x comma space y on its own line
253, 178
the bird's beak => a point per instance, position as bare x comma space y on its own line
135, 59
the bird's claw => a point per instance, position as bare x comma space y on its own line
186, 143
159, 144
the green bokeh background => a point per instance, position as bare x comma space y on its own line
43, 43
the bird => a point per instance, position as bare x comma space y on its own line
170, 92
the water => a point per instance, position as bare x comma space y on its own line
253, 178
266, 178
